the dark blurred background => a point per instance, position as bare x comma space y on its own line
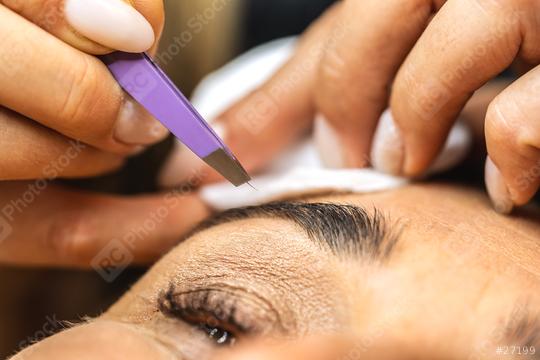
268, 20
33, 301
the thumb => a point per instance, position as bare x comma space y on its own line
323, 348
335, 347
96, 26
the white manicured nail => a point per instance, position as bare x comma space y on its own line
387, 152
497, 189
112, 23
328, 144
182, 164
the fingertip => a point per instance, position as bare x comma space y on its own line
184, 167
328, 143
387, 152
111, 23
497, 189
181, 164
422, 143
512, 133
136, 126
345, 146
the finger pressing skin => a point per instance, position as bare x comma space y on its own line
513, 142
270, 118
67, 90
32, 151
97, 26
97, 339
46, 225
334, 347
323, 348
465, 45
367, 44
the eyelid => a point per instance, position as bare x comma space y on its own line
249, 313
202, 305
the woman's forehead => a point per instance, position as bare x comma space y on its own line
430, 224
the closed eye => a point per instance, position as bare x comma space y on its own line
212, 312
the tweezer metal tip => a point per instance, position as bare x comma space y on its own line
251, 186
229, 167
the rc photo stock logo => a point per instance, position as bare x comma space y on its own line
138, 82
112, 260
258, 112
5, 229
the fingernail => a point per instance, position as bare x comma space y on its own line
328, 144
135, 126
497, 189
182, 164
112, 23
387, 151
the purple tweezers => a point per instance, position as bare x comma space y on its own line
147, 83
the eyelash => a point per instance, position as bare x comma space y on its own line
207, 310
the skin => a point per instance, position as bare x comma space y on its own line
87, 112
340, 69
57, 227
459, 268
73, 97
424, 59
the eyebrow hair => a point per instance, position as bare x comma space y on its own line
345, 230
522, 328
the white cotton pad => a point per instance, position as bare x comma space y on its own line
299, 170
302, 175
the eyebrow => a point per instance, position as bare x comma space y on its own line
345, 230
522, 328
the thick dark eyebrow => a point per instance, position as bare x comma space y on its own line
343, 229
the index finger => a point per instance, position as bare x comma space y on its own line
97, 26
367, 45
67, 90
466, 44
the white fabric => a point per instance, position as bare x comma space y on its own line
299, 170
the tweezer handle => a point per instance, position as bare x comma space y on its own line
145, 82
